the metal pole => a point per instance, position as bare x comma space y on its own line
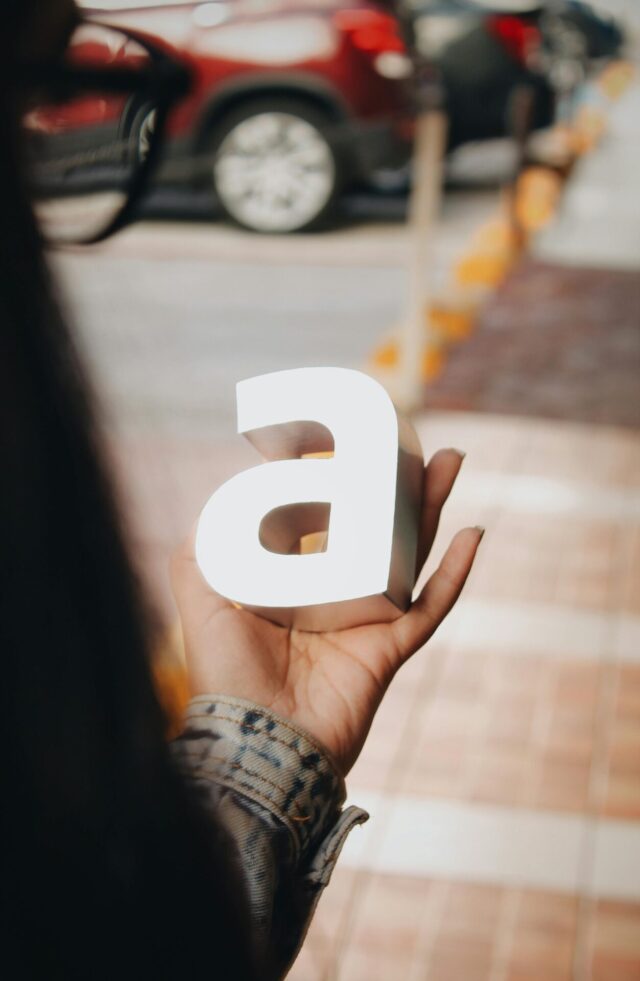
522, 114
424, 203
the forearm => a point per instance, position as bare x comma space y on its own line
280, 798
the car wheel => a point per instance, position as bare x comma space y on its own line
275, 167
138, 129
144, 134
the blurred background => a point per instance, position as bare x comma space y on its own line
445, 194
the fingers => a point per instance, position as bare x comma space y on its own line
439, 477
439, 595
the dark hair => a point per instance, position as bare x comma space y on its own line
110, 869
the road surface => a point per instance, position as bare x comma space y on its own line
171, 313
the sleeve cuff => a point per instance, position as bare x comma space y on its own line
270, 760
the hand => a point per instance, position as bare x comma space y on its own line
328, 683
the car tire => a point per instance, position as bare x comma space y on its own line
276, 167
138, 128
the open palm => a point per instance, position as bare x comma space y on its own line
329, 683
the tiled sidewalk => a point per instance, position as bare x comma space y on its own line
503, 770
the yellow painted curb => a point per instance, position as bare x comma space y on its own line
484, 268
537, 198
386, 355
452, 321
433, 360
616, 78
496, 235
589, 128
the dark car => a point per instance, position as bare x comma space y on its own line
292, 101
602, 36
482, 57
575, 36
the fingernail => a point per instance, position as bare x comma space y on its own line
480, 530
461, 453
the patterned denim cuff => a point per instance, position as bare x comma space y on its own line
251, 750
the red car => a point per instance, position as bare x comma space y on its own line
292, 100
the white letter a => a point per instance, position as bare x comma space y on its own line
370, 489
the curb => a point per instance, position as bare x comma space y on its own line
497, 245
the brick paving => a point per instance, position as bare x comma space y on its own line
555, 342
555, 732
409, 929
